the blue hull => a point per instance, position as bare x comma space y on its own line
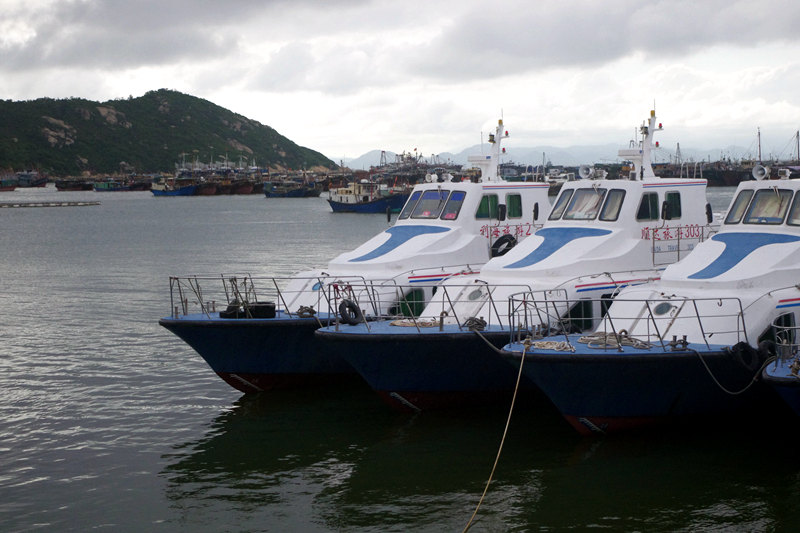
393, 203
608, 391
778, 375
183, 191
254, 355
429, 370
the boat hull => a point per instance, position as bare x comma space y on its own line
415, 371
779, 376
255, 355
183, 191
393, 203
613, 391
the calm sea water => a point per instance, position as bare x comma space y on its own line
109, 422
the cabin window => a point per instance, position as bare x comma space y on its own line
561, 204
613, 205
431, 204
514, 205
769, 206
737, 210
673, 200
453, 205
585, 204
794, 214
648, 209
488, 207
412, 201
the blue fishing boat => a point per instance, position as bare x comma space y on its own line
365, 196
445, 229
600, 236
692, 345
172, 186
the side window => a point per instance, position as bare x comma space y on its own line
561, 204
585, 204
769, 206
737, 210
613, 205
453, 205
673, 200
431, 204
648, 209
487, 207
514, 206
794, 214
412, 201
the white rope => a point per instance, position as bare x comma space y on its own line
601, 341
526, 344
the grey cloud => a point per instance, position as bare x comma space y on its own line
119, 34
523, 37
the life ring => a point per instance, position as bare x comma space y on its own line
350, 312
503, 244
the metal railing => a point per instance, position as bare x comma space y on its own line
651, 321
292, 295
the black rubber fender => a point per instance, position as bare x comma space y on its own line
350, 312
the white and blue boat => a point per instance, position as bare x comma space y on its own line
689, 347
601, 235
262, 335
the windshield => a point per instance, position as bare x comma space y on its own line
431, 204
453, 206
412, 201
585, 204
769, 206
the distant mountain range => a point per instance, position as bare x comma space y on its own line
572, 156
151, 133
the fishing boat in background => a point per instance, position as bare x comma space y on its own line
600, 236
31, 178
367, 196
262, 337
74, 184
172, 186
285, 187
8, 182
110, 185
691, 345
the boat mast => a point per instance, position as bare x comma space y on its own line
488, 163
759, 146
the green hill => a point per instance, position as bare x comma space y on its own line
145, 134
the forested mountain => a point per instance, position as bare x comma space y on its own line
150, 133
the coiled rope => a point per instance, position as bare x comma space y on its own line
526, 345
602, 341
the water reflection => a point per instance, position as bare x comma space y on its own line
340, 460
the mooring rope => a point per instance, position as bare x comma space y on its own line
721, 386
526, 344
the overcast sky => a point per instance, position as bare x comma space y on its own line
345, 77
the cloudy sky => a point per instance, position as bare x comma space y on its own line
347, 76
